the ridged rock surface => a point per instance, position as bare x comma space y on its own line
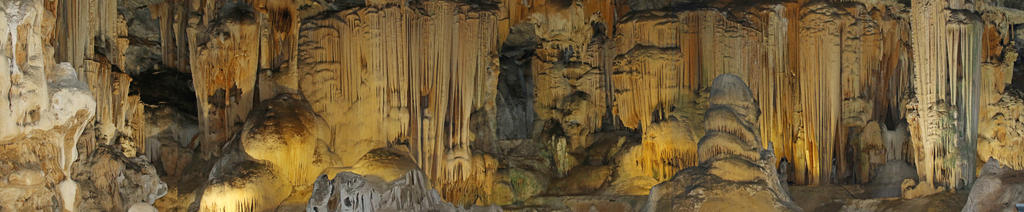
393, 72
283, 145
348, 191
734, 168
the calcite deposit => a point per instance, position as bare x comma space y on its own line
546, 105
733, 168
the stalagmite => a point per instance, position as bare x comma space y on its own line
283, 145
732, 169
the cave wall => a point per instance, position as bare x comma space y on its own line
614, 86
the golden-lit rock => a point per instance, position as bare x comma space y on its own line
947, 66
223, 59
1002, 136
282, 146
727, 176
244, 185
414, 74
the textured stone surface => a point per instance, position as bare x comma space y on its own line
348, 191
733, 168
110, 181
239, 105
282, 145
998, 188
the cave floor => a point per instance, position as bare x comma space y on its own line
810, 198
870, 198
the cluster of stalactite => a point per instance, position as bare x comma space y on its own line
1000, 128
795, 58
223, 57
947, 58
820, 90
393, 73
118, 114
228, 46
667, 148
93, 38
571, 80
408, 75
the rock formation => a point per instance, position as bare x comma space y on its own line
282, 145
420, 89
997, 189
578, 105
948, 71
734, 168
353, 192
223, 56
110, 181
47, 107
1001, 136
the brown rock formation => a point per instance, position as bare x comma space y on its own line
947, 39
376, 88
733, 166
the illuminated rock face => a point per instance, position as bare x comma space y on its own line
45, 108
223, 59
734, 168
283, 145
93, 38
820, 72
947, 53
1002, 136
416, 74
622, 96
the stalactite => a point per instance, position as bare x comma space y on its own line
224, 59
279, 34
776, 85
667, 148
947, 54
569, 77
894, 77
1000, 128
117, 113
174, 19
808, 61
88, 25
93, 38
512, 12
819, 88
390, 73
